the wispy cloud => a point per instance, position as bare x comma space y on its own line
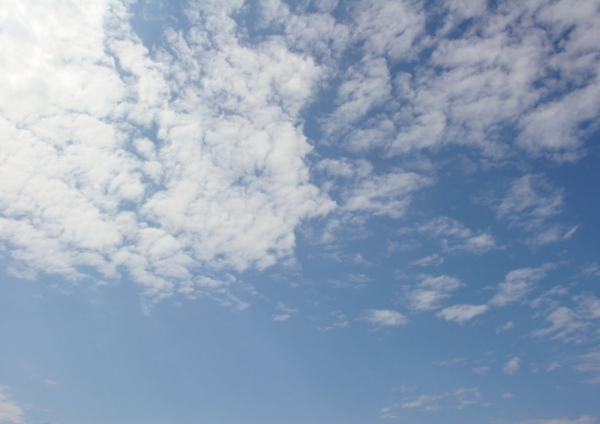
10, 411
428, 294
512, 366
385, 317
430, 260
568, 324
339, 321
590, 363
453, 235
462, 313
530, 203
586, 419
458, 399
517, 284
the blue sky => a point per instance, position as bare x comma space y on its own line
312, 211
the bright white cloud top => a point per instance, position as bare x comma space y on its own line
329, 211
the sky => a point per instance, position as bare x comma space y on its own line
303, 211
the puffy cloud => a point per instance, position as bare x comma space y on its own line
512, 78
385, 317
124, 161
462, 313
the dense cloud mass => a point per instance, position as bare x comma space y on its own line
119, 160
190, 157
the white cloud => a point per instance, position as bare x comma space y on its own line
529, 203
385, 317
589, 363
517, 284
507, 395
222, 184
512, 366
281, 317
340, 321
591, 270
422, 400
285, 312
565, 325
569, 324
10, 411
387, 194
429, 293
365, 86
586, 419
505, 327
431, 260
455, 236
462, 313
388, 29
458, 398
482, 369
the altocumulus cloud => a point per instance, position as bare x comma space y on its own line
126, 161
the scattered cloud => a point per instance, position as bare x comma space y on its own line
589, 363
462, 313
592, 269
507, 395
568, 324
482, 369
10, 411
385, 317
281, 317
529, 204
505, 327
340, 321
586, 419
455, 236
428, 294
517, 284
552, 366
431, 260
285, 312
512, 366
458, 399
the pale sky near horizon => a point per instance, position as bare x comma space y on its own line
303, 211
